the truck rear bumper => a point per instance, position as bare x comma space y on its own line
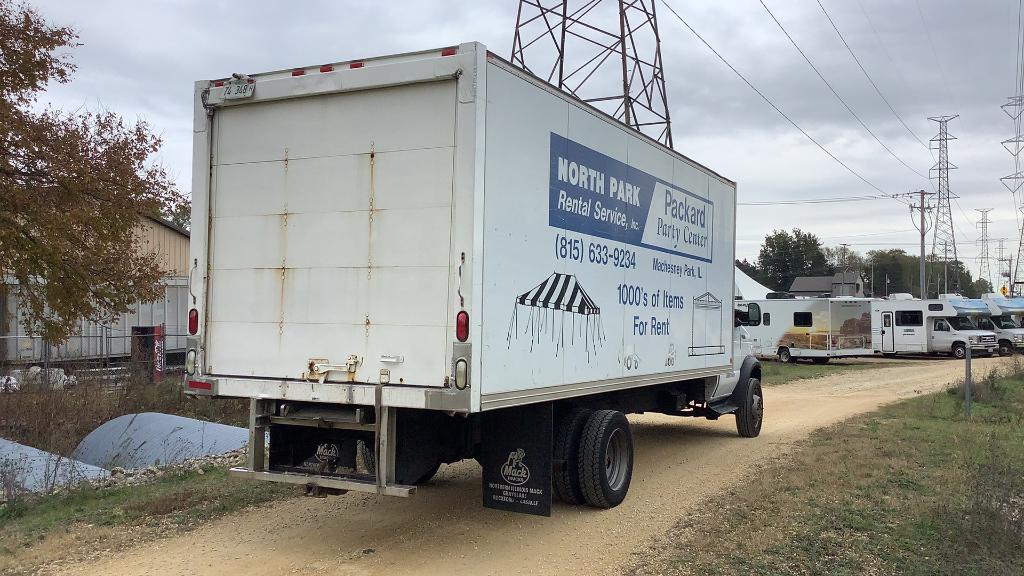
350, 484
396, 396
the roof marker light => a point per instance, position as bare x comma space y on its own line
218, 83
356, 65
298, 72
327, 68
449, 52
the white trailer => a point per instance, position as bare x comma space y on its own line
1003, 322
817, 329
411, 260
903, 324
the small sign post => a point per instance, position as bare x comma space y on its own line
967, 383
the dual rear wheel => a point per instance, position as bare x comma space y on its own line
594, 457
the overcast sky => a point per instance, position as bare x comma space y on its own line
928, 57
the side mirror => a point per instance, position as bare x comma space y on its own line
753, 315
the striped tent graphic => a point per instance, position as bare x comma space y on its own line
556, 305
560, 292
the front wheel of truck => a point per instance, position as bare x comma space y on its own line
606, 458
750, 413
1005, 348
959, 351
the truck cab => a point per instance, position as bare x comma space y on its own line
1003, 323
953, 334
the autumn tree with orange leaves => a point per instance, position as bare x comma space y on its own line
73, 187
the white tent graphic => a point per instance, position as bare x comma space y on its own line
557, 301
707, 326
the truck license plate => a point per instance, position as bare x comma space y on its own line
238, 89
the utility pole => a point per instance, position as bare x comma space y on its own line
1004, 264
922, 228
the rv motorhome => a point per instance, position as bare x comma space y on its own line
1009, 333
903, 324
813, 328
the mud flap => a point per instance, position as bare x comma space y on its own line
516, 452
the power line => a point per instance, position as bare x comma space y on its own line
868, 76
836, 94
768, 100
829, 200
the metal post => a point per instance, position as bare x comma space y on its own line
967, 382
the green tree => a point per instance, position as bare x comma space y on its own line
785, 255
73, 187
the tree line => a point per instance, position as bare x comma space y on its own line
785, 255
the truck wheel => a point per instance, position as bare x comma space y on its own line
785, 356
606, 459
959, 351
751, 410
1005, 348
566, 477
819, 360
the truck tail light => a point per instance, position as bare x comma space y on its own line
462, 326
449, 52
193, 321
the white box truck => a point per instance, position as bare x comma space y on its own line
903, 324
816, 329
417, 259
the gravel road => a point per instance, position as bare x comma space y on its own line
443, 530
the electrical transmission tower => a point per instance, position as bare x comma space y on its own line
581, 46
984, 268
945, 235
1014, 182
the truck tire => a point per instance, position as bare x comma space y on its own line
566, 477
959, 350
606, 459
1005, 348
785, 356
751, 411
819, 360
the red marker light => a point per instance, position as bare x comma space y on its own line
298, 72
193, 321
356, 65
198, 385
327, 68
218, 84
462, 326
449, 52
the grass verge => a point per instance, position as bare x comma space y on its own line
172, 502
914, 488
774, 373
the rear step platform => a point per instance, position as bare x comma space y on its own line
333, 483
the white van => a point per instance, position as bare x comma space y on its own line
903, 324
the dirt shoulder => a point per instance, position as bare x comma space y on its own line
443, 530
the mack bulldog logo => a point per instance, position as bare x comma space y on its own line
327, 452
513, 470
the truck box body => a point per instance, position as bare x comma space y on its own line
416, 259
353, 213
